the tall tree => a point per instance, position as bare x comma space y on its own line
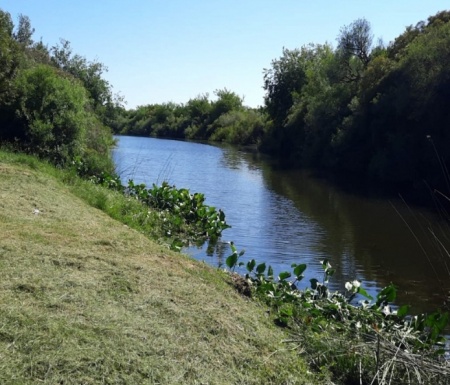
24, 32
354, 46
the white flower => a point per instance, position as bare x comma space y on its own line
348, 286
356, 283
36, 212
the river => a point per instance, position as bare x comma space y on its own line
288, 216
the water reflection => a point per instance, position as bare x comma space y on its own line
376, 240
286, 216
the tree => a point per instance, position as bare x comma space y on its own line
53, 114
354, 45
24, 32
90, 74
10, 58
286, 77
226, 101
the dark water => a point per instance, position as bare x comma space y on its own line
284, 216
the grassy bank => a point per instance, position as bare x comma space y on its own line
87, 300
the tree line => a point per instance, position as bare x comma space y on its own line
54, 103
224, 119
372, 110
375, 111
367, 109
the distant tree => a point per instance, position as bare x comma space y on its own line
354, 47
24, 32
398, 47
198, 112
243, 126
226, 101
439, 19
356, 40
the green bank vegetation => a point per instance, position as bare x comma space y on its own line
53, 103
358, 338
87, 300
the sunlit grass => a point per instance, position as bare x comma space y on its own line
85, 299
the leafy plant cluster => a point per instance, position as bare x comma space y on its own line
53, 103
317, 314
185, 217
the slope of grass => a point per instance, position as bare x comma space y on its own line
85, 299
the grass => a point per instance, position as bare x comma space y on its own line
85, 299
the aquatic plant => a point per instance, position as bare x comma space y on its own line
185, 216
359, 338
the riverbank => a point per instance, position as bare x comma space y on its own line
88, 300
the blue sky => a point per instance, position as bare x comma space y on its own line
173, 50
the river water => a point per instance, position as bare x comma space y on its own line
288, 216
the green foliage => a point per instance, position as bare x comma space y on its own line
10, 58
24, 32
227, 101
316, 311
184, 216
239, 127
355, 42
222, 120
53, 113
369, 111
90, 75
286, 77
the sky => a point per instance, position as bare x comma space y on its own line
159, 51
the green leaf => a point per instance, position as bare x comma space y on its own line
388, 294
286, 312
176, 245
364, 293
299, 269
270, 271
284, 275
260, 268
402, 311
325, 264
314, 283
232, 260
251, 265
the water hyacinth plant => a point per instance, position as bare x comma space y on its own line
359, 338
185, 216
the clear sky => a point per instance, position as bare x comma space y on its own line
173, 50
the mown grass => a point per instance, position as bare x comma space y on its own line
85, 299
